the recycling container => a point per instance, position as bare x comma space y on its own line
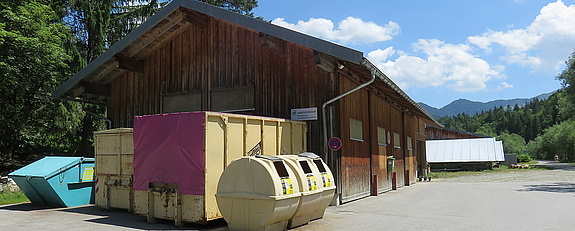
258, 193
327, 184
179, 158
114, 154
57, 181
390, 164
307, 178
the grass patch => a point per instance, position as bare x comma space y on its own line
530, 162
7, 198
495, 170
452, 174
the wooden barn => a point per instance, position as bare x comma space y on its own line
192, 56
444, 133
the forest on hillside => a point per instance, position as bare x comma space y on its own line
541, 128
42, 44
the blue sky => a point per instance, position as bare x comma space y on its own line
440, 51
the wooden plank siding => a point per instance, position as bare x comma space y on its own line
380, 117
355, 153
362, 160
410, 160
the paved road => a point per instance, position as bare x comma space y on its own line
518, 200
515, 204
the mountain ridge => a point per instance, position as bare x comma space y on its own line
473, 107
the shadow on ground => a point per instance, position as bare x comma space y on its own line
124, 219
561, 187
25, 207
119, 218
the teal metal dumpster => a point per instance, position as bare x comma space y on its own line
57, 181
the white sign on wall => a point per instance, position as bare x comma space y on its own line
304, 113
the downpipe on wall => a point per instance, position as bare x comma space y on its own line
369, 66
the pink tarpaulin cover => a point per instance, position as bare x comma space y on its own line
169, 148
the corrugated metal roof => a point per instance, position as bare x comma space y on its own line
464, 150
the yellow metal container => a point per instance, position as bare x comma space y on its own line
258, 193
226, 137
114, 153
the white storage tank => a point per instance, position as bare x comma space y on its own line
328, 184
258, 193
311, 187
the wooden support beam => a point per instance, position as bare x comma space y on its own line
129, 64
272, 43
196, 18
97, 88
325, 62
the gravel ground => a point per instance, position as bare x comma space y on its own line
561, 172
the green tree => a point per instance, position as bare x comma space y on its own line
567, 78
33, 61
486, 129
559, 139
98, 25
512, 143
238, 6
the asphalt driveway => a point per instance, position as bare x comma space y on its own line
543, 203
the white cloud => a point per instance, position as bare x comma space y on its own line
523, 60
515, 41
544, 45
379, 56
349, 31
445, 65
504, 85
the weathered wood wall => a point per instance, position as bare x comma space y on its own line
355, 153
362, 159
380, 117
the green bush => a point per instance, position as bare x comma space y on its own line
523, 158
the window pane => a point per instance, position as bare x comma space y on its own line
381, 139
396, 140
186, 102
355, 129
233, 99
